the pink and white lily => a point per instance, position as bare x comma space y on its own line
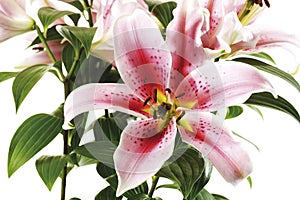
170, 87
230, 33
13, 19
108, 12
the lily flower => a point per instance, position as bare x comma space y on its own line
107, 14
13, 19
232, 29
169, 87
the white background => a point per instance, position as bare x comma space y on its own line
276, 167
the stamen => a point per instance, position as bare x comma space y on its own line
180, 116
155, 95
260, 3
267, 3
168, 90
146, 101
180, 95
38, 48
154, 114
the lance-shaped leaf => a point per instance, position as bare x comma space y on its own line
110, 175
185, 171
99, 150
33, 135
25, 81
48, 15
202, 181
82, 34
233, 111
164, 11
267, 100
205, 195
49, 168
270, 69
7, 75
143, 197
219, 197
107, 193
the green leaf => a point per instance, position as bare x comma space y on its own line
249, 179
233, 111
219, 197
143, 197
33, 135
107, 194
205, 195
109, 129
49, 168
68, 55
84, 35
100, 150
236, 134
264, 55
270, 69
25, 81
267, 100
48, 15
169, 186
110, 175
7, 75
184, 168
256, 110
164, 11
202, 181
75, 43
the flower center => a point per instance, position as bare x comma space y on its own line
162, 106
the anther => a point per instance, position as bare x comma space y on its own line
38, 48
180, 116
180, 95
146, 101
155, 95
168, 90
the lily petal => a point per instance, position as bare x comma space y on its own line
143, 149
219, 85
271, 38
103, 96
207, 133
183, 39
141, 54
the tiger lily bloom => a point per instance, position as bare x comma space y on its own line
13, 19
170, 87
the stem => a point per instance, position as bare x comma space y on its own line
88, 9
44, 42
153, 186
67, 91
73, 67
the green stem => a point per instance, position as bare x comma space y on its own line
153, 186
44, 42
88, 9
74, 64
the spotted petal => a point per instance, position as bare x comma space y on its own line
271, 38
103, 96
207, 133
143, 149
183, 39
218, 85
141, 55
